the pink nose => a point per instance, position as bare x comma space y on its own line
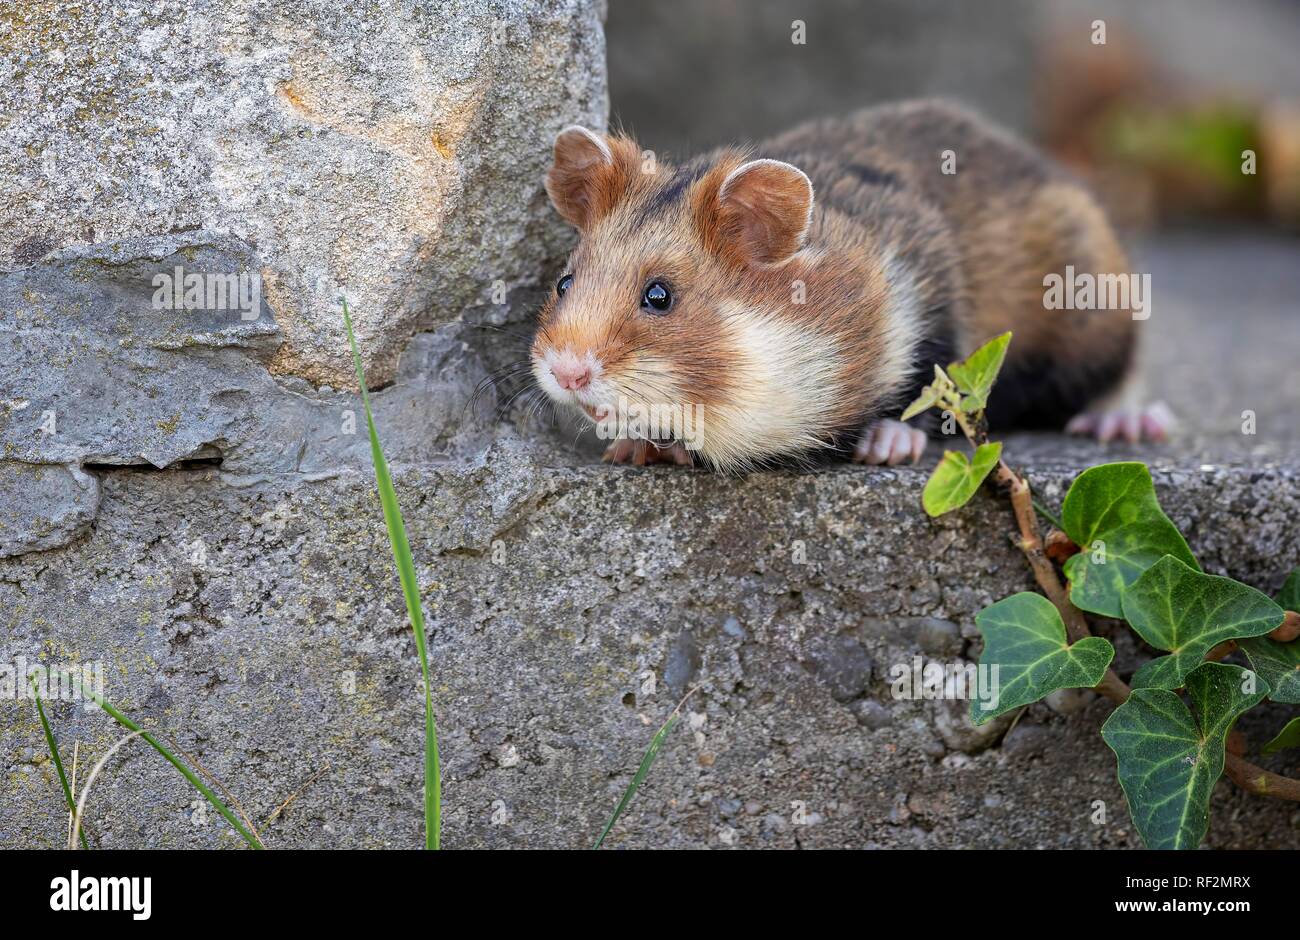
571, 377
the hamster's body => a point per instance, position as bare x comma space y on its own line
811, 291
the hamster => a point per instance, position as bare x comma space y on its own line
751, 308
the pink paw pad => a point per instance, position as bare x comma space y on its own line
890, 442
1152, 423
641, 453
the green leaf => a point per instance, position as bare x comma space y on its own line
1170, 759
639, 777
58, 759
957, 478
976, 374
1288, 737
1176, 608
928, 398
1115, 505
932, 395
401, 547
1025, 642
1278, 663
1289, 596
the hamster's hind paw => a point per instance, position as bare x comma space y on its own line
890, 442
1152, 423
640, 453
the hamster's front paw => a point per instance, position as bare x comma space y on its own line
640, 453
890, 442
1152, 423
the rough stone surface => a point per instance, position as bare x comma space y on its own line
393, 152
386, 149
46, 505
569, 609
106, 379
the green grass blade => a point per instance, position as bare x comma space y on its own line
58, 761
411, 591
1047, 514
175, 761
651, 753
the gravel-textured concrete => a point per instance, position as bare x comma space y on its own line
569, 609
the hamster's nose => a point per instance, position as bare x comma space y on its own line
571, 376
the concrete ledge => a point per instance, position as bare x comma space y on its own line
569, 608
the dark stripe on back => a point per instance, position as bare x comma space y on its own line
873, 176
671, 192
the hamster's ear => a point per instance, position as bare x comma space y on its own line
583, 178
764, 209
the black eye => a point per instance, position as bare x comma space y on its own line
656, 297
562, 286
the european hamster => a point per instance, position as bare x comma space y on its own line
756, 307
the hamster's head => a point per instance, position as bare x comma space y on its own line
674, 317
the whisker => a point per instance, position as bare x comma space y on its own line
527, 337
493, 380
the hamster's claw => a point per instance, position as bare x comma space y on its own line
641, 453
1152, 423
890, 442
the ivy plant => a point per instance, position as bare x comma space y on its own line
1123, 558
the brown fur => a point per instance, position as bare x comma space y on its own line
902, 266
1010, 218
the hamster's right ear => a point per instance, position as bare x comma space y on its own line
583, 182
763, 211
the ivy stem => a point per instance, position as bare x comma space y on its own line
1260, 781
1220, 651
1031, 544
1289, 630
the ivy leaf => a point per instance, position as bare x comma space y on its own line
1176, 608
1115, 505
1289, 596
933, 394
929, 397
1279, 663
1288, 737
1025, 642
976, 373
957, 478
1170, 759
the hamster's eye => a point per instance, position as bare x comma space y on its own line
657, 298
563, 284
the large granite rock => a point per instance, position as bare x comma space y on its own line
391, 150
288, 152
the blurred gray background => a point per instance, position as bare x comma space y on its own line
688, 74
